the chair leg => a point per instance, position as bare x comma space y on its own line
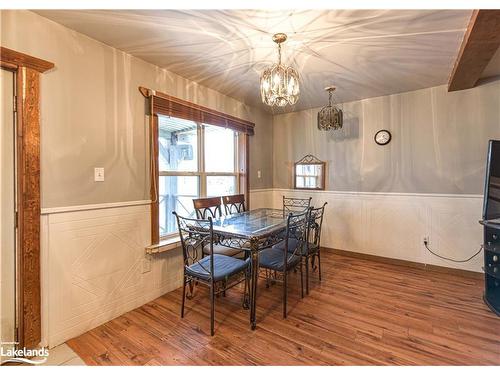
301, 280
285, 282
212, 309
307, 274
246, 292
319, 264
183, 296
191, 289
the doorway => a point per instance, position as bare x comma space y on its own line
8, 242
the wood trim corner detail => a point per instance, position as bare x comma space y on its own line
19, 59
481, 41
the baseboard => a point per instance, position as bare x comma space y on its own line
407, 263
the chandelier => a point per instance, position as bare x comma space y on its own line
279, 84
330, 117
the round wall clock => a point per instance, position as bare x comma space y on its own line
383, 137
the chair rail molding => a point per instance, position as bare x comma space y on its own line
98, 206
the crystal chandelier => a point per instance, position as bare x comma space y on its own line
279, 84
330, 117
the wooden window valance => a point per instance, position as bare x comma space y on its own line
163, 104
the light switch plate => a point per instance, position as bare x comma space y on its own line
98, 174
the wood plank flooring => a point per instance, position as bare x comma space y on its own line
362, 313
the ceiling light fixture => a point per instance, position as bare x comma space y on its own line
330, 117
279, 84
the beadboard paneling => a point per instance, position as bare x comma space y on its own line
93, 268
393, 225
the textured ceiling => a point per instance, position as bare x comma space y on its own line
365, 53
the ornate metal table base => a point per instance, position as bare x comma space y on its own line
252, 243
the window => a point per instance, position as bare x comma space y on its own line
195, 152
194, 160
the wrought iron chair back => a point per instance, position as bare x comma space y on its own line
315, 222
195, 234
312, 243
296, 230
234, 204
295, 236
295, 204
207, 207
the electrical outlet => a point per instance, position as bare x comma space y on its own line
259, 174
146, 265
426, 240
98, 174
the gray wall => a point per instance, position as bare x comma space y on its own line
93, 114
261, 151
439, 142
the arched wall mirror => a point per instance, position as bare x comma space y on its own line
309, 173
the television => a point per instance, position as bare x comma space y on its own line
491, 201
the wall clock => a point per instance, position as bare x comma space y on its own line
383, 137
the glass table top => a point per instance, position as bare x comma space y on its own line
255, 223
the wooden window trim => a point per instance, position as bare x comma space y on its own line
166, 105
27, 71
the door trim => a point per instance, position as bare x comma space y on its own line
27, 71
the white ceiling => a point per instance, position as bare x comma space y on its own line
365, 53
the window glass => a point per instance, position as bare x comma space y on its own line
221, 185
176, 194
219, 149
182, 177
178, 144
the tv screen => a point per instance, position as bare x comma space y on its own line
491, 202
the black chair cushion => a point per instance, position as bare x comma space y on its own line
273, 259
224, 266
312, 249
292, 245
224, 250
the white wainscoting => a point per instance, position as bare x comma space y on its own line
92, 267
92, 259
393, 225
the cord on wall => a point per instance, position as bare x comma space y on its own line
426, 244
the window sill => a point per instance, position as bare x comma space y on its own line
164, 245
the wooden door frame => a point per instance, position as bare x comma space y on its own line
27, 70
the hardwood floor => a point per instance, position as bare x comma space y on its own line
362, 313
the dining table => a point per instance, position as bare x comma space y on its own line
252, 231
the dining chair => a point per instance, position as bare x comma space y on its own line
285, 256
207, 207
218, 272
295, 204
211, 208
234, 204
312, 246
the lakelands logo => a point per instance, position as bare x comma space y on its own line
11, 354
